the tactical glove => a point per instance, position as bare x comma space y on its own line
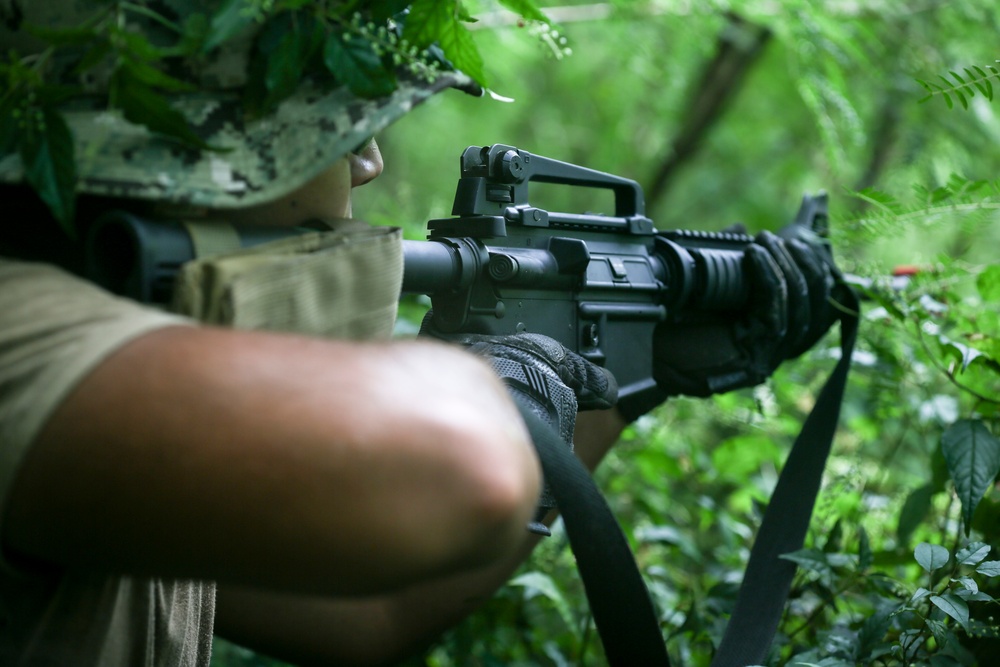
545, 378
792, 281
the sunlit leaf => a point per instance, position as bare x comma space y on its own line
988, 283
880, 199
526, 8
432, 21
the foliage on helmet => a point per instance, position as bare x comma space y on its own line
134, 56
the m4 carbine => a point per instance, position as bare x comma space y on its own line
597, 283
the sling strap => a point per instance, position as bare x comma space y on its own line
768, 577
623, 611
619, 600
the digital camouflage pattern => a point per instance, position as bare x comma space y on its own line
253, 159
260, 159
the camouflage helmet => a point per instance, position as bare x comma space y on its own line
230, 154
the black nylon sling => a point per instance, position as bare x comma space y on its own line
768, 577
623, 611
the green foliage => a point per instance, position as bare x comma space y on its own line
964, 88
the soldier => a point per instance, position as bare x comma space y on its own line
294, 487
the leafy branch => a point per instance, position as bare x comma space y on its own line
964, 88
959, 196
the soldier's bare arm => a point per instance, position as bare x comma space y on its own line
279, 462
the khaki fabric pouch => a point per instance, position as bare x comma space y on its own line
343, 283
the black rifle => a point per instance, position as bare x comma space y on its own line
597, 283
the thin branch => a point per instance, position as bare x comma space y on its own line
738, 47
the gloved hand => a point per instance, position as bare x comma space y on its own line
542, 375
545, 378
792, 281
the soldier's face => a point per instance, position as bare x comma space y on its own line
326, 197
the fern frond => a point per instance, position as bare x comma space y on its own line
964, 88
881, 200
961, 197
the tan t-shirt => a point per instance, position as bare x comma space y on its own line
55, 328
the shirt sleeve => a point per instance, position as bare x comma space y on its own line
54, 329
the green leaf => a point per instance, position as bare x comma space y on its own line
48, 155
988, 283
135, 45
961, 98
882, 200
142, 105
990, 568
96, 53
973, 553
354, 62
284, 48
967, 583
916, 507
954, 606
434, 21
526, 8
812, 560
973, 457
931, 556
231, 19
943, 636
865, 556
539, 583
874, 629
147, 74
291, 55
